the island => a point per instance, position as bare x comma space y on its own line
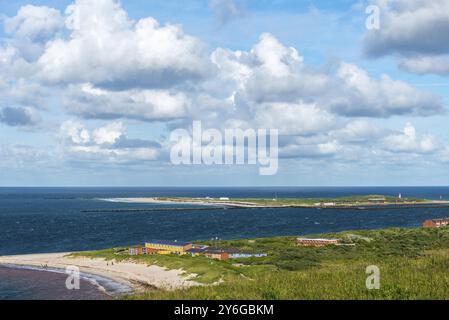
413, 264
352, 202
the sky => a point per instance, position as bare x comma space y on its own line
90, 91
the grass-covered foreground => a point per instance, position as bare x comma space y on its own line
414, 264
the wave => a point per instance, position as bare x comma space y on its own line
106, 285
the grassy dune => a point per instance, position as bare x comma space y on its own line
414, 264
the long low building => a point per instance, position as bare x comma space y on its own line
242, 255
314, 242
174, 247
223, 254
169, 246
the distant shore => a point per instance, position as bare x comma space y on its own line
138, 277
337, 203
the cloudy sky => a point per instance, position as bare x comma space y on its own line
90, 90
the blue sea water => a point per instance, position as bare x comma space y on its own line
41, 220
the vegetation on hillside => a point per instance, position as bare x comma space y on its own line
413, 265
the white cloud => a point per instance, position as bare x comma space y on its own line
294, 119
410, 26
360, 95
12, 64
106, 66
426, 64
409, 141
146, 105
358, 131
271, 72
31, 28
310, 149
109, 134
416, 31
35, 23
75, 132
107, 144
278, 73
108, 49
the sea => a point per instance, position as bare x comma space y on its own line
45, 220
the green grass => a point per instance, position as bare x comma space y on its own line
414, 264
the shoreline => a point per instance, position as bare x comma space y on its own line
115, 279
110, 287
250, 205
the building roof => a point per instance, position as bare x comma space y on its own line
214, 250
169, 243
316, 239
196, 250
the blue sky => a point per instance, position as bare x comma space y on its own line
89, 93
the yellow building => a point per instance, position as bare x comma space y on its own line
166, 247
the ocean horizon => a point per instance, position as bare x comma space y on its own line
59, 219
65, 219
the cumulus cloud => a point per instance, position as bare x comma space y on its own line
35, 23
104, 65
410, 26
31, 28
410, 141
272, 72
295, 119
107, 144
12, 64
20, 116
110, 50
225, 10
361, 95
415, 30
146, 105
109, 134
75, 132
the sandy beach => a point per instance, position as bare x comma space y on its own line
138, 276
201, 202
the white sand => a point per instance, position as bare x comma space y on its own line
129, 273
201, 202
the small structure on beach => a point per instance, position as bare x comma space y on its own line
313, 242
168, 247
436, 223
